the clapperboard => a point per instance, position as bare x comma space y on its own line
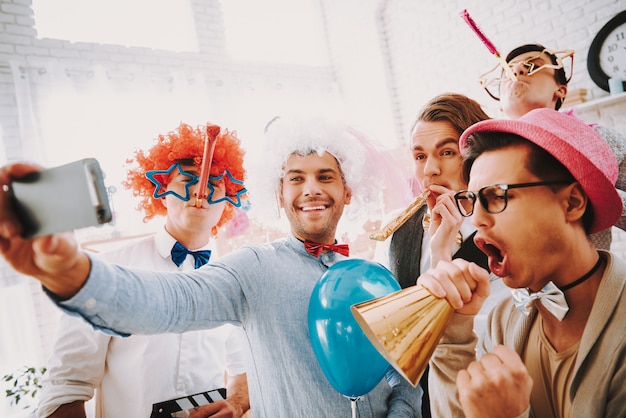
180, 407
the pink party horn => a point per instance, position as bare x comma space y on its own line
490, 46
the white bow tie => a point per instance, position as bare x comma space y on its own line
550, 296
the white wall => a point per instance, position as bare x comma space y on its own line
433, 50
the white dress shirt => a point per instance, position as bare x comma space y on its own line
130, 374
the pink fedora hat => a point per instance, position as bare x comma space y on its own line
578, 147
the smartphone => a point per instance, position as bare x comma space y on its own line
60, 199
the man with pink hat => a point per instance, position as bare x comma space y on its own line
538, 187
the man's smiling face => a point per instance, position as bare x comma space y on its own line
313, 195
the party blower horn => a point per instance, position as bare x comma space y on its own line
405, 327
490, 46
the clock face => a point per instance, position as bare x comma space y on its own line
612, 56
607, 52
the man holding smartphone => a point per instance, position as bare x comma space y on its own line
314, 168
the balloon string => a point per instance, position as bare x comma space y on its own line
353, 403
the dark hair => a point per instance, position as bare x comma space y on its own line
458, 110
539, 162
559, 75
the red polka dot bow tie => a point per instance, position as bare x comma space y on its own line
316, 249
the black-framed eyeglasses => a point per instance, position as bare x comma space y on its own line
494, 197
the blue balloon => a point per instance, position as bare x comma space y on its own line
350, 362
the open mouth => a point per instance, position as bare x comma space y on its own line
497, 259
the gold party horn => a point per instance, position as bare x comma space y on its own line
399, 220
405, 327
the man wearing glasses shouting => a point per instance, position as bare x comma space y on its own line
542, 76
538, 186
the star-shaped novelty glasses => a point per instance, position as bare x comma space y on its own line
491, 79
160, 178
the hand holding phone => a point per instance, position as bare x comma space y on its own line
60, 199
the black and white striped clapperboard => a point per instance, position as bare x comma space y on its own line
179, 407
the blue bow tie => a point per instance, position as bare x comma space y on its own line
179, 253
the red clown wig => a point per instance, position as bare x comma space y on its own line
186, 143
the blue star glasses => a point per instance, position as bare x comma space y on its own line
160, 177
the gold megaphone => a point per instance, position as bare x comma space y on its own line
405, 327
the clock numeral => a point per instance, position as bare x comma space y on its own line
612, 48
619, 36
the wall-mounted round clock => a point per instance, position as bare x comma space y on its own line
607, 54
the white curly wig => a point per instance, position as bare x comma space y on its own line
360, 162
